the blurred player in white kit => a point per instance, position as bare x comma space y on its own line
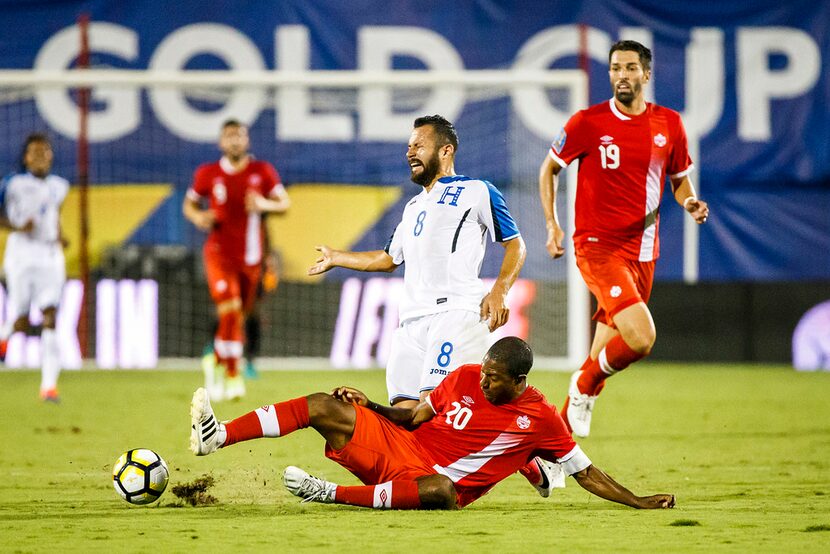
33, 262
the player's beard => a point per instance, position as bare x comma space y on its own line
627, 97
429, 170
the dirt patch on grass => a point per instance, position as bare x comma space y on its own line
195, 493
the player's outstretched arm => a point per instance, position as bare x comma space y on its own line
548, 183
374, 260
597, 482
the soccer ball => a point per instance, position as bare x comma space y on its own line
140, 476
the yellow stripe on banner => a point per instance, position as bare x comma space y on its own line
115, 212
336, 215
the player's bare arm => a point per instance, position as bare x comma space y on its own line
201, 219
373, 260
597, 482
685, 195
494, 306
276, 204
548, 183
406, 417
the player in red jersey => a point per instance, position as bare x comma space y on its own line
480, 425
625, 148
238, 190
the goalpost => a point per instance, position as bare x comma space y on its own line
506, 120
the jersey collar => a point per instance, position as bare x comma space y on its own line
228, 167
624, 117
616, 111
453, 178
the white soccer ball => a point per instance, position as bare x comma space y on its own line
140, 476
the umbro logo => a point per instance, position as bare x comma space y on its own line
606, 139
467, 400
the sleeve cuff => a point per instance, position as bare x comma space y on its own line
574, 461
562, 163
683, 173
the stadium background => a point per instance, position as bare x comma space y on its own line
750, 83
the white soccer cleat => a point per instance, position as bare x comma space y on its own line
309, 488
206, 433
580, 407
234, 387
553, 477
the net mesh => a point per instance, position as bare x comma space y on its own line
347, 193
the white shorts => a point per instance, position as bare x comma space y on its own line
426, 349
39, 287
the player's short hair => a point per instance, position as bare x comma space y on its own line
444, 130
31, 139
232, 122
633, 46
513, 352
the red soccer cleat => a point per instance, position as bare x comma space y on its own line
50, 395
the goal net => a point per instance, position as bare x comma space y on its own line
338, 140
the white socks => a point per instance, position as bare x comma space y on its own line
50, 359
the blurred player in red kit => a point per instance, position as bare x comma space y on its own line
478, 426
238, 190
625, 147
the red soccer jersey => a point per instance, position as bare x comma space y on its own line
237, 234
477, 444
623, 161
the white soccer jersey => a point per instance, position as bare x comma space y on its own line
441, 238
29, 198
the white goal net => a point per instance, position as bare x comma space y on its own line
338, 140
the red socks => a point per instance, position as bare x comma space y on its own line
616, 356
401, 495
227, 343
275, 420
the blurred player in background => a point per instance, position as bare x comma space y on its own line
625, 148
446, 314
477, 427
253, 319
33, 262
238, 190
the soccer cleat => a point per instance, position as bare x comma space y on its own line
553, 477
580, 407
207, 434
309, 488
234, 387
50, 395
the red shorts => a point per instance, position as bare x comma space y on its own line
228, 280
615, 281
381, 451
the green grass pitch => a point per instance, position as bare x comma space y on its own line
745, 449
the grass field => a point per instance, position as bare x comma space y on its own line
745, 449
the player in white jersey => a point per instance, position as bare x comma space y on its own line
33, 261
446, 314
